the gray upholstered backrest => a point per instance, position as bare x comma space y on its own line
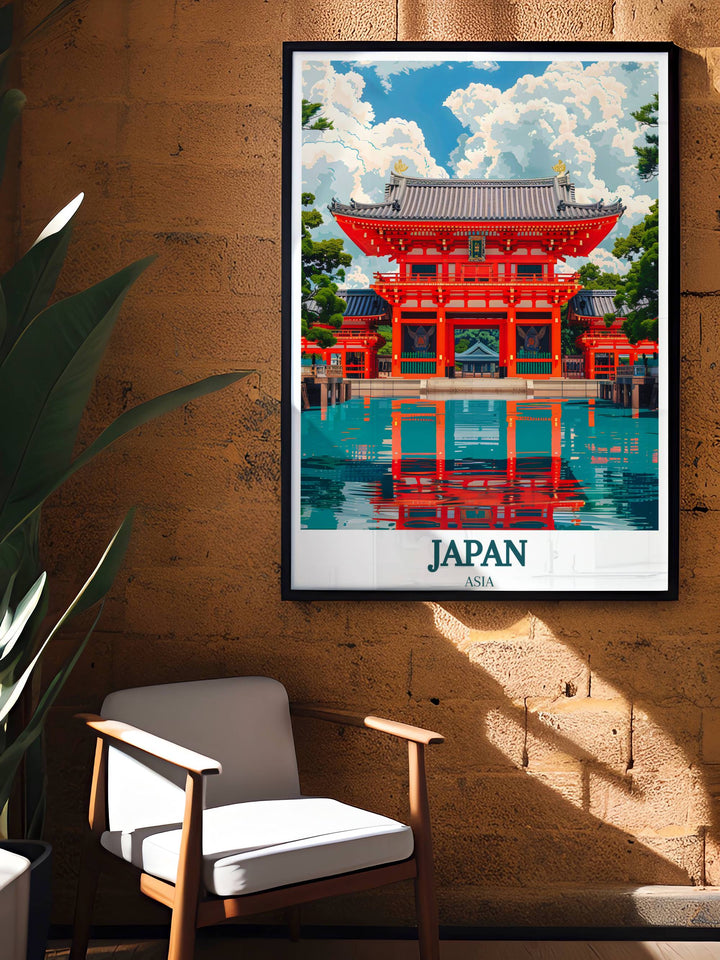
244, 722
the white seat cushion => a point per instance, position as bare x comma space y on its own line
263, 844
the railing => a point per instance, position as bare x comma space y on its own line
350, 333
320, 370
574, 368
535, 362
472, 372
417, 362
560, 280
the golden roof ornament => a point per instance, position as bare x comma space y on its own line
400, 167
560, 168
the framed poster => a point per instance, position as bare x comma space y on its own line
480, 329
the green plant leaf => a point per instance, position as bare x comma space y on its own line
6, 26
49, 18
11, 104
14, 661
4, 343
5, 614
35, 789
23, 612
53, 366
94, 589
28, 285
17, 510
12, 755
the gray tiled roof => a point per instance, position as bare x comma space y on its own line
595, 303
418, 198
478, 351
363, 303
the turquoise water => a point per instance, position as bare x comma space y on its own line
382, 463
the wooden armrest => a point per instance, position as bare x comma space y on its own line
347, 718
123, 734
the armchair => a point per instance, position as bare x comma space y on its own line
196, 784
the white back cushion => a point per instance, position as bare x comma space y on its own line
244, 722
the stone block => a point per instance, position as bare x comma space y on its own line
665, 738
693, 27
188, 261
643, 801
87, 69
530, 667
468, 20
226, 70
212, 134
564, 732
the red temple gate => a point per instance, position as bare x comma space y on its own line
604, 346
476, 253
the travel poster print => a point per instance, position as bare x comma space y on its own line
478, 328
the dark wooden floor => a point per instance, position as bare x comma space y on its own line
234, 949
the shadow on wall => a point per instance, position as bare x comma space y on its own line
610, 787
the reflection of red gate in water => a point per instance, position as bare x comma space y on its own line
522, 492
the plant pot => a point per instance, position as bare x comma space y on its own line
14, 904
39, 854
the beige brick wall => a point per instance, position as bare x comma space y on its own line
583, 739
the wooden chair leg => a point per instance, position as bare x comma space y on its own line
182, 933
85, 898
427, 917
427, 911
183, 925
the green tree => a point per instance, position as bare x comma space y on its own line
647, 116
638, 290
310, 113
323, 263
385, 332
593, 278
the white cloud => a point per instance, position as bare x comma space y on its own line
577, 113
490, 65
602, 258
355, 277
355, 158
390, 68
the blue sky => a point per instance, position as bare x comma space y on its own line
477, 119
410, 95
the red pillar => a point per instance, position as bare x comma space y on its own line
556, 443
556, 344
396, 368
589, 362
512, 414
440, 351
440, 439
449, 344
503, 344
511, 343
396, 439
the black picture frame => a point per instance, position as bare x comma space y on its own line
294, 581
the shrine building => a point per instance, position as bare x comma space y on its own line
358, 342
476, 253
605, 347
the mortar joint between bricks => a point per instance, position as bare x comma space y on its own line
589, 683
